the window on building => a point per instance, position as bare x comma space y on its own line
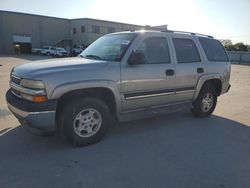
155, 50
83, 29
95, 29
186, 50
74, 30
213, 49
111, 30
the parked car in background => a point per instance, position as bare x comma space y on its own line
37, 51
48, 50
76, 51
60, 52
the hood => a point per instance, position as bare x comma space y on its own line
50, 66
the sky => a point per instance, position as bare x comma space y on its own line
223, 19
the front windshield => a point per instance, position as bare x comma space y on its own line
109, 47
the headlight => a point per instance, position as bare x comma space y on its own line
32, 84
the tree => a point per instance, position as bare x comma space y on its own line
226, 42
240, 46
248, 47
229, 46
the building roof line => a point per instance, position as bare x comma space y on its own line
107, 21
30, 14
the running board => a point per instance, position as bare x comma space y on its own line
154, 111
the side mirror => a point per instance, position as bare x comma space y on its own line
136, 58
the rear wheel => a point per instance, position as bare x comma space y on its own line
84, 121
205, 103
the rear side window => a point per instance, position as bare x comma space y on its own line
186, 51
213, 49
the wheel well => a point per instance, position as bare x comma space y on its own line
216, 83
105, 94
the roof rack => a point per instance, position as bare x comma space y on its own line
185, 32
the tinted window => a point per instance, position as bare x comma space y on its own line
155, 50
74, 30
213, 49
95, 29
186, 51
111, 30
82, 28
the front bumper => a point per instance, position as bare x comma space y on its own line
36, 115
229, 87
225, 87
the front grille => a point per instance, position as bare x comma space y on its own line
15, 79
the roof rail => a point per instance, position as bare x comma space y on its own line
186, 32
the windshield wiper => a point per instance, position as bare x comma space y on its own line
92, 57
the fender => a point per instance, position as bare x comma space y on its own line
203, 79
62, 89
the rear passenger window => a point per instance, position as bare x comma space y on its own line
213, 49
186, 51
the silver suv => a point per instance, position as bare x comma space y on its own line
127, 75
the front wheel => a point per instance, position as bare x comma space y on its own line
205, 103
84, 121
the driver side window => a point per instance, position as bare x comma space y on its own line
155, 50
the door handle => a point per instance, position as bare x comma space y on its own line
169, 72
200, 70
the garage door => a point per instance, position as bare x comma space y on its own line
22, 43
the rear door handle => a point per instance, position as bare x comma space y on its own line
200, 70
169, 72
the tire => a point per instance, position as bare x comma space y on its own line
48, 54
206, 101
75, 122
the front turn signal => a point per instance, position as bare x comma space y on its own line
39, 98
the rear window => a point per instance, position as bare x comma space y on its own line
213, 49
186, 51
